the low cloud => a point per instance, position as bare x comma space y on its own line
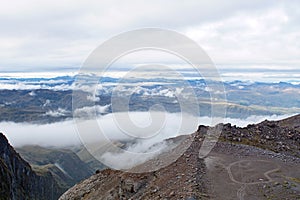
32, 93
89, 111
60, 112
56, 134
64, 134
140, 154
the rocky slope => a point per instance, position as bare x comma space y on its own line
184, 178
19, 182
64, 165
278, 136
256, 162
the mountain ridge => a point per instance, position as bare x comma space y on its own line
19, 181
64, 165
267, 144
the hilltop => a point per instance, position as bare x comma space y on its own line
259, 161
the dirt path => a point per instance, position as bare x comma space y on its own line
242, 190
251, 174
260, 163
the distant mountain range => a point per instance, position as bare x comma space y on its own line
44, 100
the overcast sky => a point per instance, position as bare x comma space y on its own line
54, 35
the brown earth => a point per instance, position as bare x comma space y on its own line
256, 162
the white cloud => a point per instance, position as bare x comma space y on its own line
44, 35
32, 93
56, 134
93, 97
64, 134
19, 86
89, 111
251, 37
57, 113
127, 161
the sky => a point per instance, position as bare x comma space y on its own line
59, 35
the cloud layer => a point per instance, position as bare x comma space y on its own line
145, 146
65, 133
47, 35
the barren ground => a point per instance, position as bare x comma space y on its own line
244, 172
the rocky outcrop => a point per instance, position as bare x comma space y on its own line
278, 136
19, 182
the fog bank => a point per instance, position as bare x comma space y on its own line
63, 134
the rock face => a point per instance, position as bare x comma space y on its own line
19, 182
187, 177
